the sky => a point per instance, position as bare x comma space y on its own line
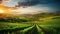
33, 6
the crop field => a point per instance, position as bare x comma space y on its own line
50, 25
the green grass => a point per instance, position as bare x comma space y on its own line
4, 26
46, 26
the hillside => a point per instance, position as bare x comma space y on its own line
27, 17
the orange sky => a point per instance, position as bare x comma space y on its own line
5, 11
15, 11
4, 8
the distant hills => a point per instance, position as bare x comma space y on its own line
57, 13
26, 17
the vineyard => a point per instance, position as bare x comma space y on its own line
49, 25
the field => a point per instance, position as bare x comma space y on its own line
48, 25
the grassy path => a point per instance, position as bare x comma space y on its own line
32, 29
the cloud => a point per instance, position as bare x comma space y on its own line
29, 3
6, 0
35, 2
0, 1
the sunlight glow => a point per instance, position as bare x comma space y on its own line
1, 11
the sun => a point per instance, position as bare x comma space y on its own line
1, 11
